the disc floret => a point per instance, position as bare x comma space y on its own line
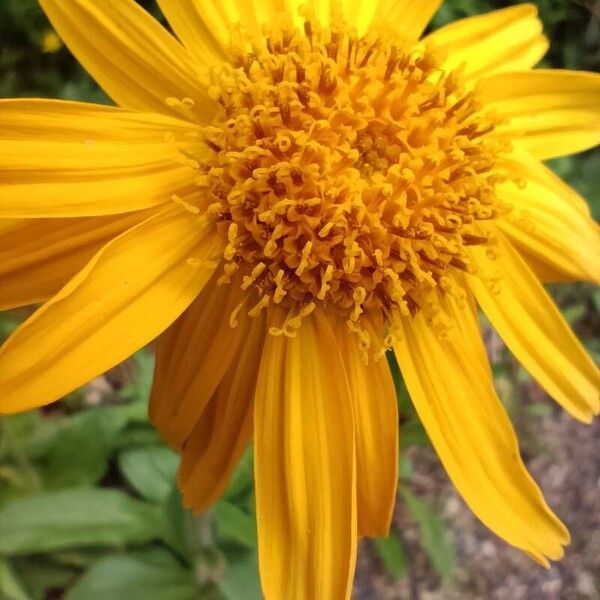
346, 173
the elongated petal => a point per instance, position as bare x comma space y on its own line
454, 397
67, 121
533, 328
376, 415
39, 256
406, 18
71, 159
192, 357
552, 113
304, 467
549, 221
132, 290
205, 26
222, 433
135, 60
509, 39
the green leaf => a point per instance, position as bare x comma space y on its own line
412, 433
11, 587
80, 454
391, 552
405, 406
42, 574
155, 575
75, 518
151, 471
233, 524
243, 477
241, 579
433, 535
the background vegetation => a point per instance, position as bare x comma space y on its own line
88, 505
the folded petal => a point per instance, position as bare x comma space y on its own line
72, 159
192, 356
224, 429
133, 58
552, 113
39, 256
132, 290
468, 426
549, 221
509, 39
376, 416
305, 467
406, 18
529, 322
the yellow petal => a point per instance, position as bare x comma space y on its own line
376, 417
132, 290
133, 58
527, 319
552, 113
205, 26
189, 22
305, 467
38, 256
70, 159
223, 431
192, 356
406, 18
509, 39
468, 426
69, 121
549, 220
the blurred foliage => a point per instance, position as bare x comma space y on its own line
89, 509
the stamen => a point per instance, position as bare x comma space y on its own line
346, 174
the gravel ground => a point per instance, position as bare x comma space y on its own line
563, 456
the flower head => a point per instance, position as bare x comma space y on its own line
283, 196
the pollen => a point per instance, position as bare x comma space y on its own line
346, 173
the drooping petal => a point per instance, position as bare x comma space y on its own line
305, 466
132, 290
468, 426
549, 221
551, 112
192, 356
527, 319
509, 39
406, 18
224, 429
133, 58
39, 256
376, 417
71, 159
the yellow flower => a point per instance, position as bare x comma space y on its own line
282, 201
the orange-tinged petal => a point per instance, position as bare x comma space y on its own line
71, 159
468, 426
192, 356
552, 113
509, 39
550, 221
527, 319
132, 290
305, 467
376, 417
38, 256
224, 429
406, 18
133, 58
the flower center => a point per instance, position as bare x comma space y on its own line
346, 173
